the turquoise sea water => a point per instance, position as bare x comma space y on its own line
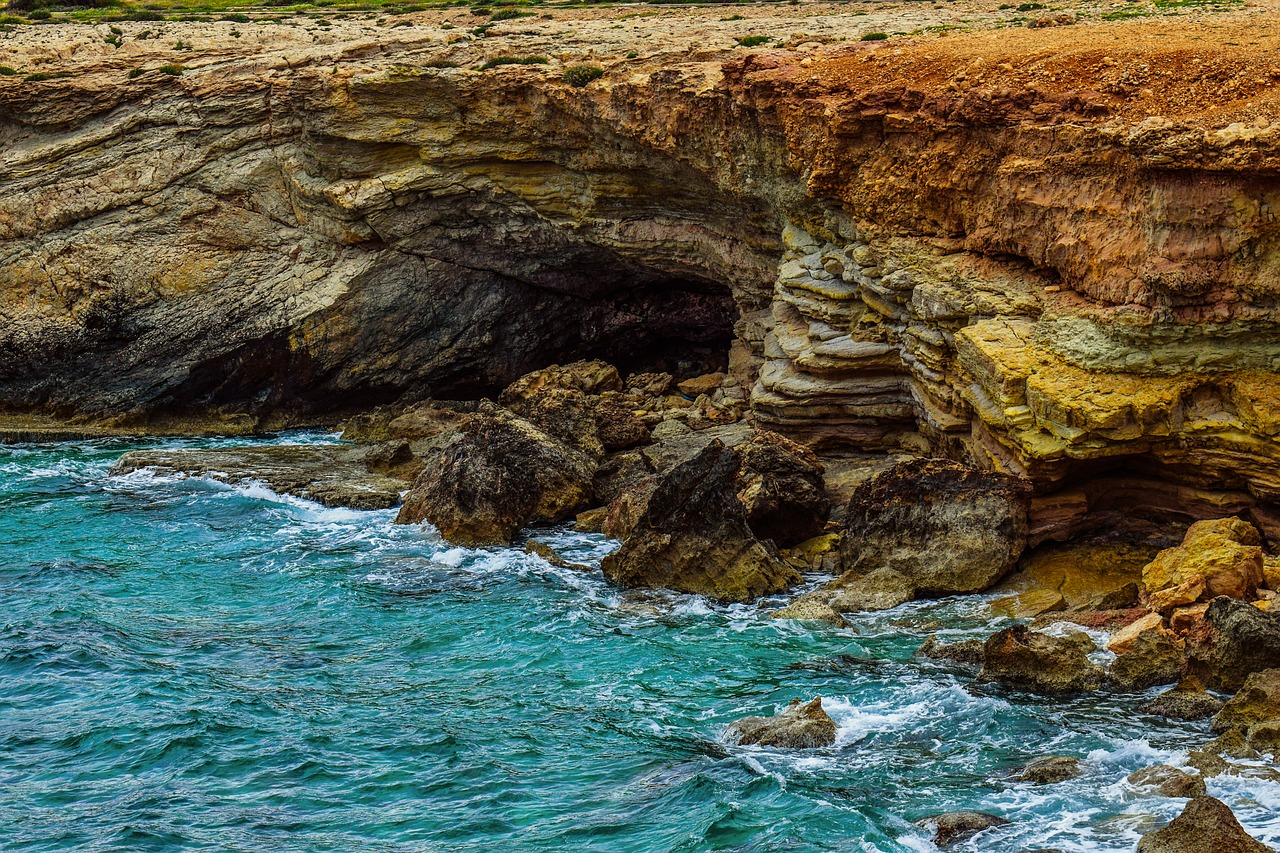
190, 666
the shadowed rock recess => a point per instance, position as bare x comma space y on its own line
1041, 279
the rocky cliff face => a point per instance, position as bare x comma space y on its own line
985, 246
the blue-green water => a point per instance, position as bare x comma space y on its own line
185, 665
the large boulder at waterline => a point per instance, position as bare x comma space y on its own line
1206, 825
947, 527
1217, 557
1257, 701
1187, 700
954, 827
692, 535
1167, 781
501, 474
780, 484
1039, 662
1233, 640
800, 726
1154, 657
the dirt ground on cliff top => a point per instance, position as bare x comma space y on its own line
1169, 58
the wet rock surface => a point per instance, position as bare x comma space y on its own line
1187, 700
333, 475
946, 527
954, 827
801, 726
693, 536
501, 474
1167, 781
1040, 663
1049, 770
1234, 640
1206, 824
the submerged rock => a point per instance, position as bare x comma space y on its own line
501, 474
1206, 825
1049, 770
1167, 781
946, 527
1234, 640
1039, 662
800, 726
692, 536
808, 609
333, 475
954, 827
1188, 700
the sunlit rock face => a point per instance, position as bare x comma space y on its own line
1035, 281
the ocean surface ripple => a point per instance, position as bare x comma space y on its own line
186, 665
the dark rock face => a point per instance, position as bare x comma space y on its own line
954, 827
1257, 701
800, 726
1205, 825
1039, 662
1234, 640
334, 475
501, 474
1188, 700
781, 486
947, 527
1155, 658
692, 536
1049, 770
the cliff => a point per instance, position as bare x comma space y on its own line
1052, 250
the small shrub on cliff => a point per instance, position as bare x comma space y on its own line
513, 60
6, 71
5, 20
754, 41
508, 15
580, 75
237, 18
39, 15
875, 36
171, 70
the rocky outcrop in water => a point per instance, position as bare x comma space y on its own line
954, 827
1205, 824
801, 726
1040, 663
1233, 641
499, 475
1187, 700
692, 535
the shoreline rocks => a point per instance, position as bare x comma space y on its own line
1040, 663
801, 726
1205, 825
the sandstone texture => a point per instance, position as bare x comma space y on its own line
333, 475
945, 527
1187, 700
1050, 252
1217, 557
1040, 663
1233, 641
692, 535
801, 726
1205, 824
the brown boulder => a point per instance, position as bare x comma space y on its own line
882, 589
800, 726
1187, 700
617, 426
707, 383
1039, 662
1206, 825
964, 651
564, 413
1257, 701
1155, 657
1233, 641
1218, 557
947, 527
587, 377
1049, 770
502, 473
780, 484
1167, 781
954, 827
692, 536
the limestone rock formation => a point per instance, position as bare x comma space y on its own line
964, 651
693, 536
334, 475
1257, 701
1039, 662
1187, 700
1049, 769
501, 474
1167, 781
1205, 824
801, 726
1155, 657
1217, 557
946, 527
954, 827
1233, 641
